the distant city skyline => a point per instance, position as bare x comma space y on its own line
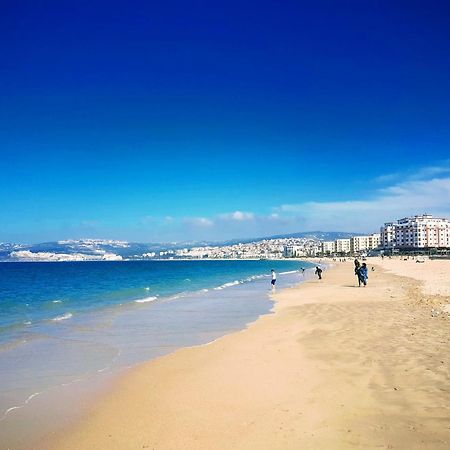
152, 122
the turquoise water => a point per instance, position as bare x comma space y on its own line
34, 292
62, 323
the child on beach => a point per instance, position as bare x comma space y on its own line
274, 278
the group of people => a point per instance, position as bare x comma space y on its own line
361, 271
318, 272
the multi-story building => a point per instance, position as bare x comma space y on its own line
293, 251
422, 231
387, 234
328, 247
359, 244
374, 240
342, 246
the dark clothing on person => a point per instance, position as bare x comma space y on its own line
363, 275
357, 266
319, 272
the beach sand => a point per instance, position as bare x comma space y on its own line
335, 367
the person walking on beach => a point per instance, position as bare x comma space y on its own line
357, 266
363, 275
319, 272
303, 270
274, 278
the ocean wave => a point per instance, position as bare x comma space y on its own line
146, 300
181, 295
147, 288
290, 271
6, 412
256, 277
63, 317
57, 301
226, 285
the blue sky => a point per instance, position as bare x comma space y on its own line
213, 120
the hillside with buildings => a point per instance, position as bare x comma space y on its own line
420, 233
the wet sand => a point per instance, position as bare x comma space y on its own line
335, 367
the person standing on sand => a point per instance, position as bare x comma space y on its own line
274, 278
363, 275
357, 266
318, 272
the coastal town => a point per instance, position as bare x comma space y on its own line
416, 234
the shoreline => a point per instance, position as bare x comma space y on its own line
196, 389
245, 300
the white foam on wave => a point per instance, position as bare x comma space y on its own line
28, 322
146, 300
57, 301
256, 277
179, 295
63, 317
35, 394
20, 406
147, 288
288, 272
226, 285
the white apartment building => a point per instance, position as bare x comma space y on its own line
360, 244
328, 247
313, 250
293, 251
387, 234
374, 240
342, 245
421, 231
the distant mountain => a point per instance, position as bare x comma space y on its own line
319, 235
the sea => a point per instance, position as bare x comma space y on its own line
68, 328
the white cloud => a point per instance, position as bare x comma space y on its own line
425, 191
424, 173
403, 199
238, 216
388, 178
198, 221
432, 171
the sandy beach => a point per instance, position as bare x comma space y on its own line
335, 367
